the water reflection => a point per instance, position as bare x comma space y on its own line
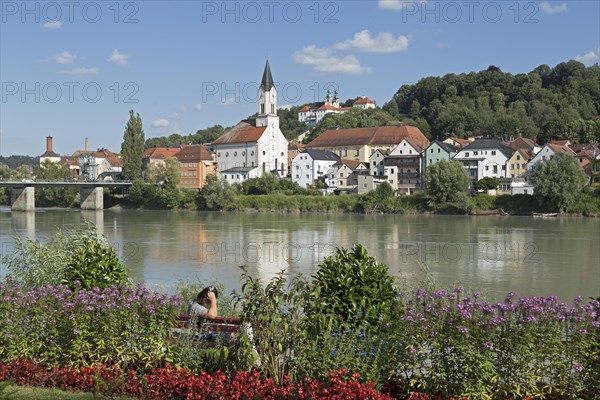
491, 254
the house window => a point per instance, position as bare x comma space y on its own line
252, 153
475, 153
262, 108
495, 169
467, 154
493, 152
307, 176
264, 153
297, 176
235, 153
356, 153
438, 150
518, 157
227, 154
243, 153
392, 170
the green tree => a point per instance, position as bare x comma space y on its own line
558, 182
51, 171
216, 194
487, 183
132, 148
167, 173
445, 180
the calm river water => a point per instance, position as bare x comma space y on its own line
495, 255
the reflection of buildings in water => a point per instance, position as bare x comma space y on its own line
24, 221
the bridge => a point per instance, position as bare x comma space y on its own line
91, 193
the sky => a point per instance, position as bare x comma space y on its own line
73, 70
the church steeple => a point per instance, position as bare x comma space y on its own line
267, 96
267, 79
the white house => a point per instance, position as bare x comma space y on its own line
101, 164
254, 147
547, 152
376, 166
402, 166
485, 158
310, 165
364, 103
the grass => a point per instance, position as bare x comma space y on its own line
30, 393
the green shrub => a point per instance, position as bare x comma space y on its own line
79, 254
94, 264
483, 202
354, 287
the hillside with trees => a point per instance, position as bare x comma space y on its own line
547, 103
201, 136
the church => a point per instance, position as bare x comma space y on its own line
257, 146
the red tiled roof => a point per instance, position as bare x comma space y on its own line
460, 140
66, 160
111, 157
522, 143
304, 109
243, 132
352, 164
558, 148
328, 107
364, 100
161, 153
296, 146
194, 153
560, 142
369, 136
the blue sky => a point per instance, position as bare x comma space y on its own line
74, 69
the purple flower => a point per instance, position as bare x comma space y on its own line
488, 345
463, 329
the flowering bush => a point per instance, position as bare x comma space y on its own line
123, 325
458, 344
175, 383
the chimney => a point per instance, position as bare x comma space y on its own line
86, 144
49, 143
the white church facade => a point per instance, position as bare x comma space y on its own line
254, 147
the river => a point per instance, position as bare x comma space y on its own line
494, 255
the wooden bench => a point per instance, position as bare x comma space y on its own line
207, 329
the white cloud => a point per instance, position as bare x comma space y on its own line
175, 115
1, 131
286, 106
228, 101
385, 42
160, 123
441, 45
550, 9
62, 58
198, 107
397, 4
52, 25
589, 58
324, 61
82, 71
118, 58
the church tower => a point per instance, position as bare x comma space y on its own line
267, 100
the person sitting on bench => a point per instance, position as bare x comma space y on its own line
205, 305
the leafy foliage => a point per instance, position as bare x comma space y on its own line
202, 136
268, 184
558, 182
355, 287
167, 173
93, 264
444, 180
216, 194
547, 103
13, 162
132, 148
487, 183
79, 254
62, 197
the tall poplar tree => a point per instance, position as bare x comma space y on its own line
132, 148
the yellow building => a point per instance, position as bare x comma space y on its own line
358, 143
517, 164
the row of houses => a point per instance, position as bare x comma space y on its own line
357, 160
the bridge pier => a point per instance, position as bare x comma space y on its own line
91, 198
22, 198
